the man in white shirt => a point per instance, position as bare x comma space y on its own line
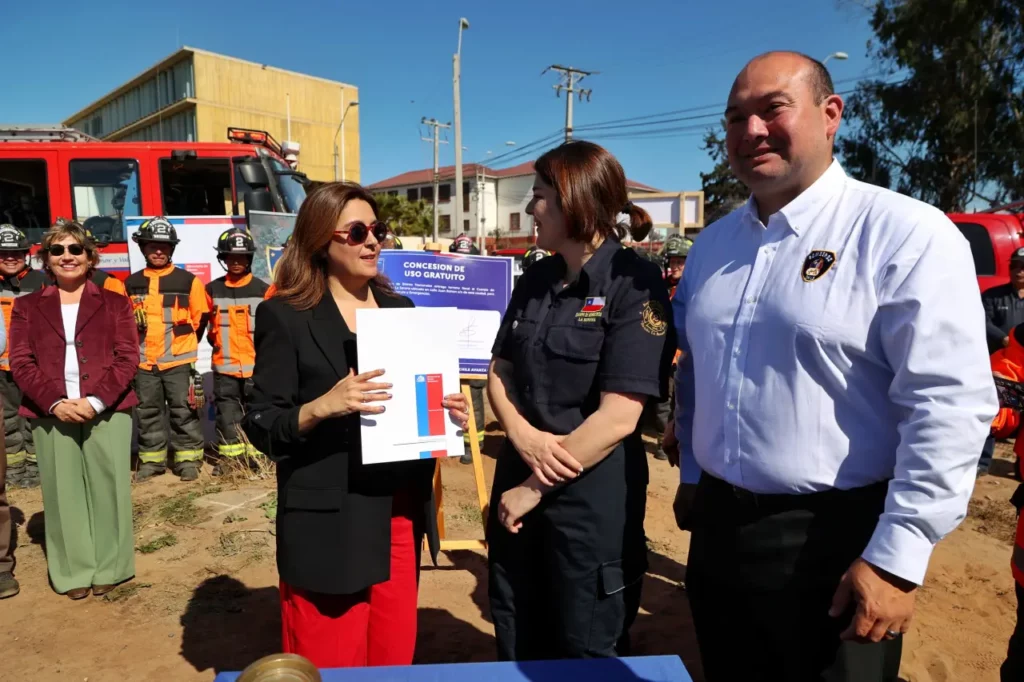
834, 397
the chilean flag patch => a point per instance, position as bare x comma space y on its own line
593, 305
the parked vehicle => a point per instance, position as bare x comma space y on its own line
993, 234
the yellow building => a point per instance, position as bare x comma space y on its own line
194, 95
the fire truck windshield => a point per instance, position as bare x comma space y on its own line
292, 191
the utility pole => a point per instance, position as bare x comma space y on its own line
457, 97
570, 80
436, 125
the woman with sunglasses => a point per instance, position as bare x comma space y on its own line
74, 350
348, 534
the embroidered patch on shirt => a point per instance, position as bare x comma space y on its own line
653, 318
591, 310
817, 263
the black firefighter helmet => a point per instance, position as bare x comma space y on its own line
533, 254
235, 241
12, 239
157, 229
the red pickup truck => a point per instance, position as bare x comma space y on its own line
993, 234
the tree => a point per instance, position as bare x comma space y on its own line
944, 122
723, 192
415, 218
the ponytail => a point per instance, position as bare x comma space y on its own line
640, 222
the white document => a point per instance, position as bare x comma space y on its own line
419, 350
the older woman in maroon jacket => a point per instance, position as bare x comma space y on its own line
74, 350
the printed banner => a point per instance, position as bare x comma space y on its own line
478, 286
269, 231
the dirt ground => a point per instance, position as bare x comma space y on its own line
205, 595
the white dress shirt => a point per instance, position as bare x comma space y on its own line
864, 362
72, 378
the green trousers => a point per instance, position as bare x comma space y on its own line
17, 430
85, 471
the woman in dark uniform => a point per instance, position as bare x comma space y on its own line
585, 343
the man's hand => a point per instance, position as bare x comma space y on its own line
885, 603
669, 443
683, 505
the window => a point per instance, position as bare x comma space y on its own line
392, 192
24, 198
103, 191
427, 194
444, 193
465, 197
412, 194
981, 247
513, 222
196, 186
446, 223
465, 226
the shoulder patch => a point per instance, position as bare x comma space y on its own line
653, 318
817, 263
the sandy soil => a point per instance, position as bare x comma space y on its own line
205, 595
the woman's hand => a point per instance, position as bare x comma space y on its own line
83, 407
66, 412
353, 394
458, 409
517, 503
543, 453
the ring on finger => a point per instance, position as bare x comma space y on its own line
892, 634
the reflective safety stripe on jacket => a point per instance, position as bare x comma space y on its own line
174, 302
25, 282
233, 303
105, 280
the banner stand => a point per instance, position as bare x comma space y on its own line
478, 475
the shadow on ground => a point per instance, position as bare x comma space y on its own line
227, 626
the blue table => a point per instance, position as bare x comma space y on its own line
638, 668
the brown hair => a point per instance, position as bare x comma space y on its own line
591, 188
301, 276
69, 228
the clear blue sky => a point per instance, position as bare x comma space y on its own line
653, 56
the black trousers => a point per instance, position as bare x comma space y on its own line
567, 585
761, 576
1013, 668
230, 398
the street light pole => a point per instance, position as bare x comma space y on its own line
341, 131
836, 55
456, 78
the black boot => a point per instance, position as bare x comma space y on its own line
148, 470
29, 476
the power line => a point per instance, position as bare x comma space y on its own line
570, 80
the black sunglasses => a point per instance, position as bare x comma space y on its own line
357, 232
57, 250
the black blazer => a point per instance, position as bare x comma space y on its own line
333, 513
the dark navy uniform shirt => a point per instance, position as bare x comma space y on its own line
1004, 310
607, 331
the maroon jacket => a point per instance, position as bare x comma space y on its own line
108, 349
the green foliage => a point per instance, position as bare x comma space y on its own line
723, 192
406, 217
944, 64
270, 507
156, 544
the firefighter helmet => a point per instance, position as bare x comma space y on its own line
157, 229
533, 255
235, 241
12, 239
676, 247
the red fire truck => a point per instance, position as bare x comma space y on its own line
993, 234
51, 172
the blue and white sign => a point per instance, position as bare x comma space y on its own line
478, 286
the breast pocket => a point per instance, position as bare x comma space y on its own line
572, 354
521, 337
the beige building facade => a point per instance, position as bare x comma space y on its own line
195, 96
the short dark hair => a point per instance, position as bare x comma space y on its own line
592, 192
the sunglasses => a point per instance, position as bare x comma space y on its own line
57, 250
358, 232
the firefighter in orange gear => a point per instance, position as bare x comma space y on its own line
233, 299
104, 280
170, 309
17, 278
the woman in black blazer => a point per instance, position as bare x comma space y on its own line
348, 535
